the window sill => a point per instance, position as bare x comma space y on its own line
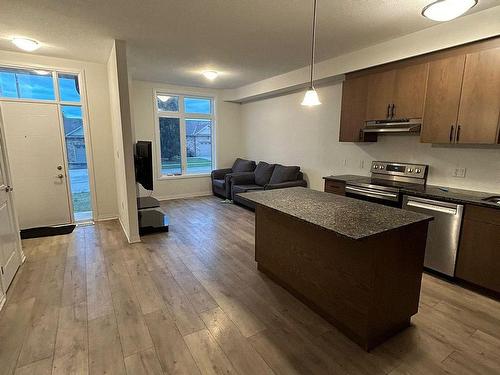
181, 177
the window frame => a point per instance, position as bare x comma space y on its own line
182, 116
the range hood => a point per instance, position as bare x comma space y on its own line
404, 125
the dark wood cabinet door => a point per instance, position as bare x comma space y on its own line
442, 100
380, 94
352, 115
409, 91
335, 187
479, 253
479, 112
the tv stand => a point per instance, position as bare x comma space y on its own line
151, 218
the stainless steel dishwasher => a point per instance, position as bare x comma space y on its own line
444, 231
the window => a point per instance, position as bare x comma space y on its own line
26, 84
185, 129
69, 88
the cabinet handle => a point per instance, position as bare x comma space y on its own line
458, 133
392, 110
451, 133
388, 111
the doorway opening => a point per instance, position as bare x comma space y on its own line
32, 98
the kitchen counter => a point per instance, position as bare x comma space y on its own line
453, 195
357, 264
352, 218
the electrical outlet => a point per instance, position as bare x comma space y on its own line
459, 172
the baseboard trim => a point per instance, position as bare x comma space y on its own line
106, 218
130, 240
2, 301
182, 196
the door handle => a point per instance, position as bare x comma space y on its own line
458, 133
392, 110
451, 133
388, 111
60, 176
8, 188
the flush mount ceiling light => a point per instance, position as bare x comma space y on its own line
210, 74
26, 44
311, 96
446, 10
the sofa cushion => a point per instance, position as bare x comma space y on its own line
219, 183
263, 173
243, 188
283, 173
243, 165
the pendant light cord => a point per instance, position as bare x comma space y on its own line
313, 44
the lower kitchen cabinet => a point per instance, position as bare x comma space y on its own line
335, 187
479, 253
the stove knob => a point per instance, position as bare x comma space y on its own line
410, 170
375, 167
382, 167
418, 170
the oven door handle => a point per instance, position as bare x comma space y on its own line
372, 193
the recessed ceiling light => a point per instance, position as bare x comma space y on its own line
446, 10
210, 74
26, 44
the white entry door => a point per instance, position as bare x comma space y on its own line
10, 246
37, 163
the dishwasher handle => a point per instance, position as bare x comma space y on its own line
432, 207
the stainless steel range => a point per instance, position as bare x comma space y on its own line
397, 184
386, 182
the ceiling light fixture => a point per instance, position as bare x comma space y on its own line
446, 10
311, 96
210, 74
26, 44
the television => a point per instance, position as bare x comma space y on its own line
144, 164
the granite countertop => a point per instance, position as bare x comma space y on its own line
349, 217
460, 196
453, 195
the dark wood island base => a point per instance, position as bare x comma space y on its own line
368, 288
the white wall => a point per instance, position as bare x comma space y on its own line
122, 129
227, 137
281, 130
99, 121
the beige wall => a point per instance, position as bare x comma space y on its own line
96, 82
122, 130
281, 130
227, 137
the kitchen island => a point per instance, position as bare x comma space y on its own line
356, 263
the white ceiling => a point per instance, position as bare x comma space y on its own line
173, 40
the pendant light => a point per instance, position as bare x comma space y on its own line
311, 96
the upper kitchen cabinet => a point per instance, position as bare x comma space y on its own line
409, 91
462, 104
479, 111
442, 100
380, 88
352, 115
397, 93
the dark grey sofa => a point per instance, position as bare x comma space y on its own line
221, 178
265, 177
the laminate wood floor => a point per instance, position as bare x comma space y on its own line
192, 302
